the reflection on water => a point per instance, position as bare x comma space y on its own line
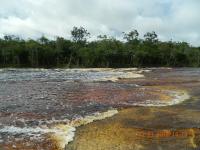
40, 109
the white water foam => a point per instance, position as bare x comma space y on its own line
177, 97
64, 139
61, 133
115, 74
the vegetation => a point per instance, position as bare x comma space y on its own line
103, 52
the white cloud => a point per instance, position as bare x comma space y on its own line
176, 19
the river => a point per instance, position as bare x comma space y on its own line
83, 109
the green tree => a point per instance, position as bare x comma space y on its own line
151, 37
79, 35
131, 36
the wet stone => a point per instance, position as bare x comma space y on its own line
35, 101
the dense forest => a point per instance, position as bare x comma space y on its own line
103, 52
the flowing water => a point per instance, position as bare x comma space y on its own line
155, 108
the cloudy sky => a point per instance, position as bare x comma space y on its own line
171, 19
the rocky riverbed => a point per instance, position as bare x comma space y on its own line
100, 109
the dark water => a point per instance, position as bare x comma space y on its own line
32, 100
38, 94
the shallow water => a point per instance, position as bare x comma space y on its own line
41, 108
150, 128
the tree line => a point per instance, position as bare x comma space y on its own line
103, 52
